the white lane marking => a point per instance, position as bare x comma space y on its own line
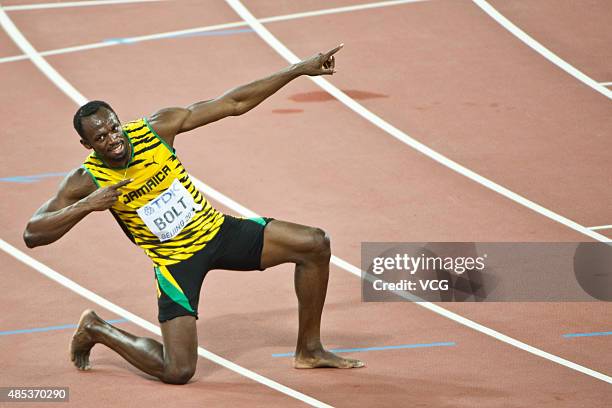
147, 325
539, 48
78, 98
336, 10
39, 61
403, 137
60, 51
196, 30
352, 104
606, 83
228, 202
600, 227
127, 40
41, 6
335, 260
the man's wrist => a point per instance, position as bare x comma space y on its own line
297, 69
83, 206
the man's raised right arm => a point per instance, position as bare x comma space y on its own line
77, 196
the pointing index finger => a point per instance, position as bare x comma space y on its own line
333, 51
121, 183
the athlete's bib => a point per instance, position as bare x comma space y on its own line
168, 213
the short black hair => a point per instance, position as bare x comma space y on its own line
88, 109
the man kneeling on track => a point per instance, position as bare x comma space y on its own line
133, 172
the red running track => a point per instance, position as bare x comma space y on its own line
443, 72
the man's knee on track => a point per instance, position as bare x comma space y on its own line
178, 375
319, 245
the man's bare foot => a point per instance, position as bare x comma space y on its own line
82, 340
322, 358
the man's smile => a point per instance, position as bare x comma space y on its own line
118, 148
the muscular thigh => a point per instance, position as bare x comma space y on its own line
287, 242
180, 341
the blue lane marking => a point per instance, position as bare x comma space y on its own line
31, 179
130, 40
402, 346
49, 328
588, 334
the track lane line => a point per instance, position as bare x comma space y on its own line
230, 203
210, 192
40, 6
542, 50
279, 47
380, 348
78, 98
376, 120
591, 334
147, 325
196, 30
600, 227
40, 62
51, 328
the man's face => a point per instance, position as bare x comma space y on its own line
102, 132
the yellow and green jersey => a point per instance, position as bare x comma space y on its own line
161, 210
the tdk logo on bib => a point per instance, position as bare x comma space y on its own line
168, 213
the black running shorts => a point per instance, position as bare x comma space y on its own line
237, 246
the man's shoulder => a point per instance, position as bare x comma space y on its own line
78, 174
79, 180
134, 125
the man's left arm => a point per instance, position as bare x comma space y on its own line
171, 121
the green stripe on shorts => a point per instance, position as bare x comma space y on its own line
172, 292
258, 220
